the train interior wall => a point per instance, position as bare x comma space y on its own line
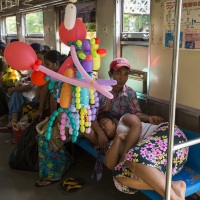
153, 58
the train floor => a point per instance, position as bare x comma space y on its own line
20, 185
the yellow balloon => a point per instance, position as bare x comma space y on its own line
92, 101
86, 124
82, 129
96, 62
82, 122
78, 106
78, 89
77, 100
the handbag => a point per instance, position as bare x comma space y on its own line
25, 154
55, 140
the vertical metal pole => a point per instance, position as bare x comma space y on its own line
178, 7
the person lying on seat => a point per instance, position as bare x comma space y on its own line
142, 166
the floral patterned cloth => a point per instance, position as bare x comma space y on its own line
152, 151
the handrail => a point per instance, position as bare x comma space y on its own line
187, 144
173, 92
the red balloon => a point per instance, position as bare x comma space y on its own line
37, 78
20, 55
77, 33
67, 64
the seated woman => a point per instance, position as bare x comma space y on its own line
144, 165
3, 102
23, 92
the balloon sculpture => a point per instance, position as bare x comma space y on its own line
73, 87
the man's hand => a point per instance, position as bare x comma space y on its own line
103, 142
155, 120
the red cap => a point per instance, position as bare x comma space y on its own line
118, 63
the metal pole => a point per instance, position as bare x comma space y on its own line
178, 6
186, 144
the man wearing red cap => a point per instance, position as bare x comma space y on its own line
124, 101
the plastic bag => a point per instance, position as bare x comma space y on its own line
25, 154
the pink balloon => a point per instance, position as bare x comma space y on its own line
86, 75
20, 55
67, 64
77, 33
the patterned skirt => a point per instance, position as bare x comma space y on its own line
152, 151
52, 164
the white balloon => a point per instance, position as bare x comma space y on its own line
70, 16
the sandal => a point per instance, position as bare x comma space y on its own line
47, 181
72, 184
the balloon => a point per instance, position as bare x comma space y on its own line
70, 16
38, 78
67, 64
66, 90
20, 55
77, 33
87, 77
96, 62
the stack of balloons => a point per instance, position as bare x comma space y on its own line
73, 85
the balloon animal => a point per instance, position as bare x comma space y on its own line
73, 85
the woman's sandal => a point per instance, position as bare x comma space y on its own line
46, 181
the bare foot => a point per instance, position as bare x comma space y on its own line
179, 188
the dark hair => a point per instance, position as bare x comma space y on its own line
2, 45
107, 115
55, 56
37, 47
1, 66
14, 40
46, 47
43, 52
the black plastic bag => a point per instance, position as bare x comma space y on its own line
25, 154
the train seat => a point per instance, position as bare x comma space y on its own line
190, 172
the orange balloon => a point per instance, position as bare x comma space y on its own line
37, 78
77, 33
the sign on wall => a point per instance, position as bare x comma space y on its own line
190, 24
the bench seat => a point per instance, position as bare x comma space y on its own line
190, 172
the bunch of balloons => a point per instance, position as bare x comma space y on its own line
73, 85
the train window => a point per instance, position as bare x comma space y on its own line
34, 24
11, 27
34, 30
136, 20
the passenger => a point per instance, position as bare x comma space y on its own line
37, 47
53, 162
23, 93
3, 102
14, 40
46, 47
144, 165
124, 100
52, 60
2, 48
